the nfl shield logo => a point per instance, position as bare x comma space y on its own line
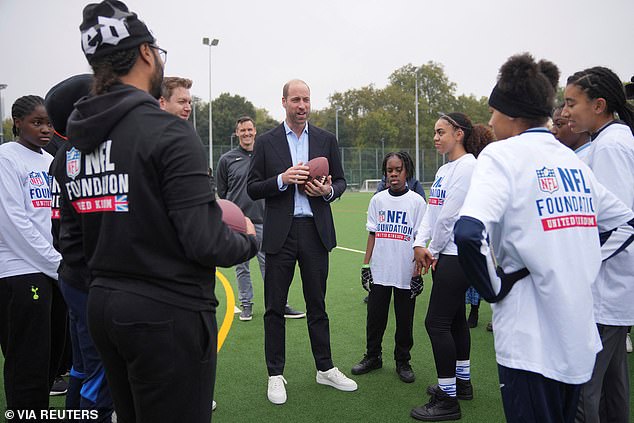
547, 180
36, 179
381, 215
73, 162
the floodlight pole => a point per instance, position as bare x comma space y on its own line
2, 87
211, 43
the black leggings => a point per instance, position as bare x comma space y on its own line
446, 322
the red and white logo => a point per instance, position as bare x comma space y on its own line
547, 180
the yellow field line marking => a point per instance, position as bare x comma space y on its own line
231, 302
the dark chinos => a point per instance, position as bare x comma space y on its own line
288, 239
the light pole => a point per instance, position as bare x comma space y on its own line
416, 101
211, 43
2, 87
337, 123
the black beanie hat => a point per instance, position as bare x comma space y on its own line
109, 27
60, 100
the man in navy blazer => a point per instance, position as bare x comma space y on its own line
298, 227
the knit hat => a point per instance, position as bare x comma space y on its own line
60, 100
109, 27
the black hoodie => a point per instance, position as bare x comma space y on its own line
138, 204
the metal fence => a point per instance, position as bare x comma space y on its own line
360, 164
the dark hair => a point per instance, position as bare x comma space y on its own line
24, 106
476, 137
243, 119
526, 89
408, 164
108, 69
601, 82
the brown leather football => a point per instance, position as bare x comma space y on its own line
317, 168
232, 216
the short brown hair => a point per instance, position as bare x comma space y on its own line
171, 82
243, 119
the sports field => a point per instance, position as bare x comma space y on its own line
242, 379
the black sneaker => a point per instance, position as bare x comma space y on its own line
60, 387
367, 364
291, 313
441, 407
405, 372
247, 312
464, 389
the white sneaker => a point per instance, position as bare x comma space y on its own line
336, 379
236, 310
213, 405
277, 390
628, 343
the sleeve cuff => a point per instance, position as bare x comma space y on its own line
280, 184
329, 196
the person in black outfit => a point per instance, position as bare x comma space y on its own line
298, 227
139, 206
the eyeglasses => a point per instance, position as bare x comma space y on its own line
162, 52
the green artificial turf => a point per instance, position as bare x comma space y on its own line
241, 381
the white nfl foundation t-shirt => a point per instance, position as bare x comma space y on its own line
394, 221
26, 242
611, 158
539, 204
446, 196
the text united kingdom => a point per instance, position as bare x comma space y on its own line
568, 203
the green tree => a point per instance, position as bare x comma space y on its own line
263, 120
7, 128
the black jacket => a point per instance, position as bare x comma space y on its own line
138, 204
272, 157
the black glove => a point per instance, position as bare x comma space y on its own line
416, 286
366, 277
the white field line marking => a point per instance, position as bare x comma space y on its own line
351, 250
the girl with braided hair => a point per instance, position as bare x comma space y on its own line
434, 247
394, 215
594, 98
29, 297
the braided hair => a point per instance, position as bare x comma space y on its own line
601, 82
108, 69
408, 163
23, 107
476, 137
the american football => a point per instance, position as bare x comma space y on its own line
317, 169
232, 216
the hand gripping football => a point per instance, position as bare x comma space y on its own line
232, 216
317, 169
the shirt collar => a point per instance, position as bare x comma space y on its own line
288, 130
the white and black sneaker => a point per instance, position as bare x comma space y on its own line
60, 387
247, 312
291, 313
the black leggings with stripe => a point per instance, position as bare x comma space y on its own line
446, 323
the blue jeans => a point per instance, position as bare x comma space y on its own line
87, 364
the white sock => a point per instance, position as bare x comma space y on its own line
448, 385
463, 369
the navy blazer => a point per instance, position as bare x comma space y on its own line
272, 157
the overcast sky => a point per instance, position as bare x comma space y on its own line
334, 45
